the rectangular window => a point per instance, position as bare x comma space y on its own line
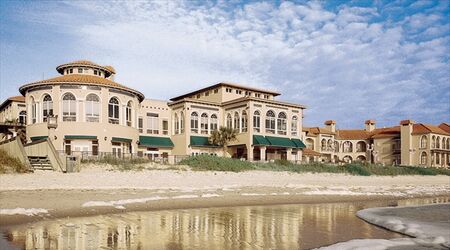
95, 72
207, 93
216, 91
95, 147
165, 127
152, 123
80, 70
141, 124
70, 71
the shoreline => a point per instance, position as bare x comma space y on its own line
96, 191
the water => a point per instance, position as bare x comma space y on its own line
301, 226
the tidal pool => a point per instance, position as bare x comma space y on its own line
300, 226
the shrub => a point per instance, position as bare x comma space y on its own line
10, 164
215, 163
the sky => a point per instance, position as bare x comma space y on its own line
344, 60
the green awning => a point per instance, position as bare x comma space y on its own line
298, 143
280, 142
260, 140
157, 142
37, 138
85, 137
120, 139
200, 141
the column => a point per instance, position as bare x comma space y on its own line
289, 154
263, 153
249, 153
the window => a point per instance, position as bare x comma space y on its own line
257, 95
152, 123
236, 121
438, 142
47, 107
433, 142
194, 122
92, 108
214, 124
204, 123
165, 127
141, 124
177, 124
257, 121
198, 96
23, 117
294, 126
348, 147
95, 147
238, 91
244, 121
281, 123
207, 93
181, 122
71, 71
423, 158
95, 72
228, 90
229, 121
216, 91
270, 122
113, 111
33, 111
69, 108
128, 113
423, 141
80, 70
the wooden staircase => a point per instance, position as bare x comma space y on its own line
40, 163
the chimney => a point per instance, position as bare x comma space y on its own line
407, 151
370, 125
331, 125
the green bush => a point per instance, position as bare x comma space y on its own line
10, 164
215, 163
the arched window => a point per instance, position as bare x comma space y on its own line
270, 122
448, 143
204, 124
244, 121
23, 117
69, 108
92, 108
257, 121
433, 142
128, 113
347, 159
443, 143
33, 111
423, 158
47, 107
438, 158
281, 123
194, 122
294, 126
361, 146
438, 142
181, 122
229, 121
177, 124
330, 145
336, 146
348, 147
423, 141
236, 121
323, 145
214, 123
310, 143
113, 111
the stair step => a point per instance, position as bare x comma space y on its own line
40, 163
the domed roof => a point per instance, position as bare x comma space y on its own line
83, 80
87, 63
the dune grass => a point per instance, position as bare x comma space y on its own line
214, 163
121, 164
10, 164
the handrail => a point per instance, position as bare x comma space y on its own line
55, 154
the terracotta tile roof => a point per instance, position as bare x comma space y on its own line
81, 79
317, 130
87, 63
12, 99
353, 134
233, 85
386, 132
445, 126
427, 128
307, 151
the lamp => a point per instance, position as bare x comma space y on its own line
106, 138
52, 121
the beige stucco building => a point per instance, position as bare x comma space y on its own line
96, 115
410, 143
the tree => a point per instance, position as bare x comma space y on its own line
222, 137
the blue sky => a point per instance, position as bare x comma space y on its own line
345, 60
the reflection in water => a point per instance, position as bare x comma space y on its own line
266, 227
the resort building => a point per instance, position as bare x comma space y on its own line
13, 116
409, 143
96, 115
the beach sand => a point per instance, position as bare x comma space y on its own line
98, 191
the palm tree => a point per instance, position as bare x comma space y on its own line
222, 137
